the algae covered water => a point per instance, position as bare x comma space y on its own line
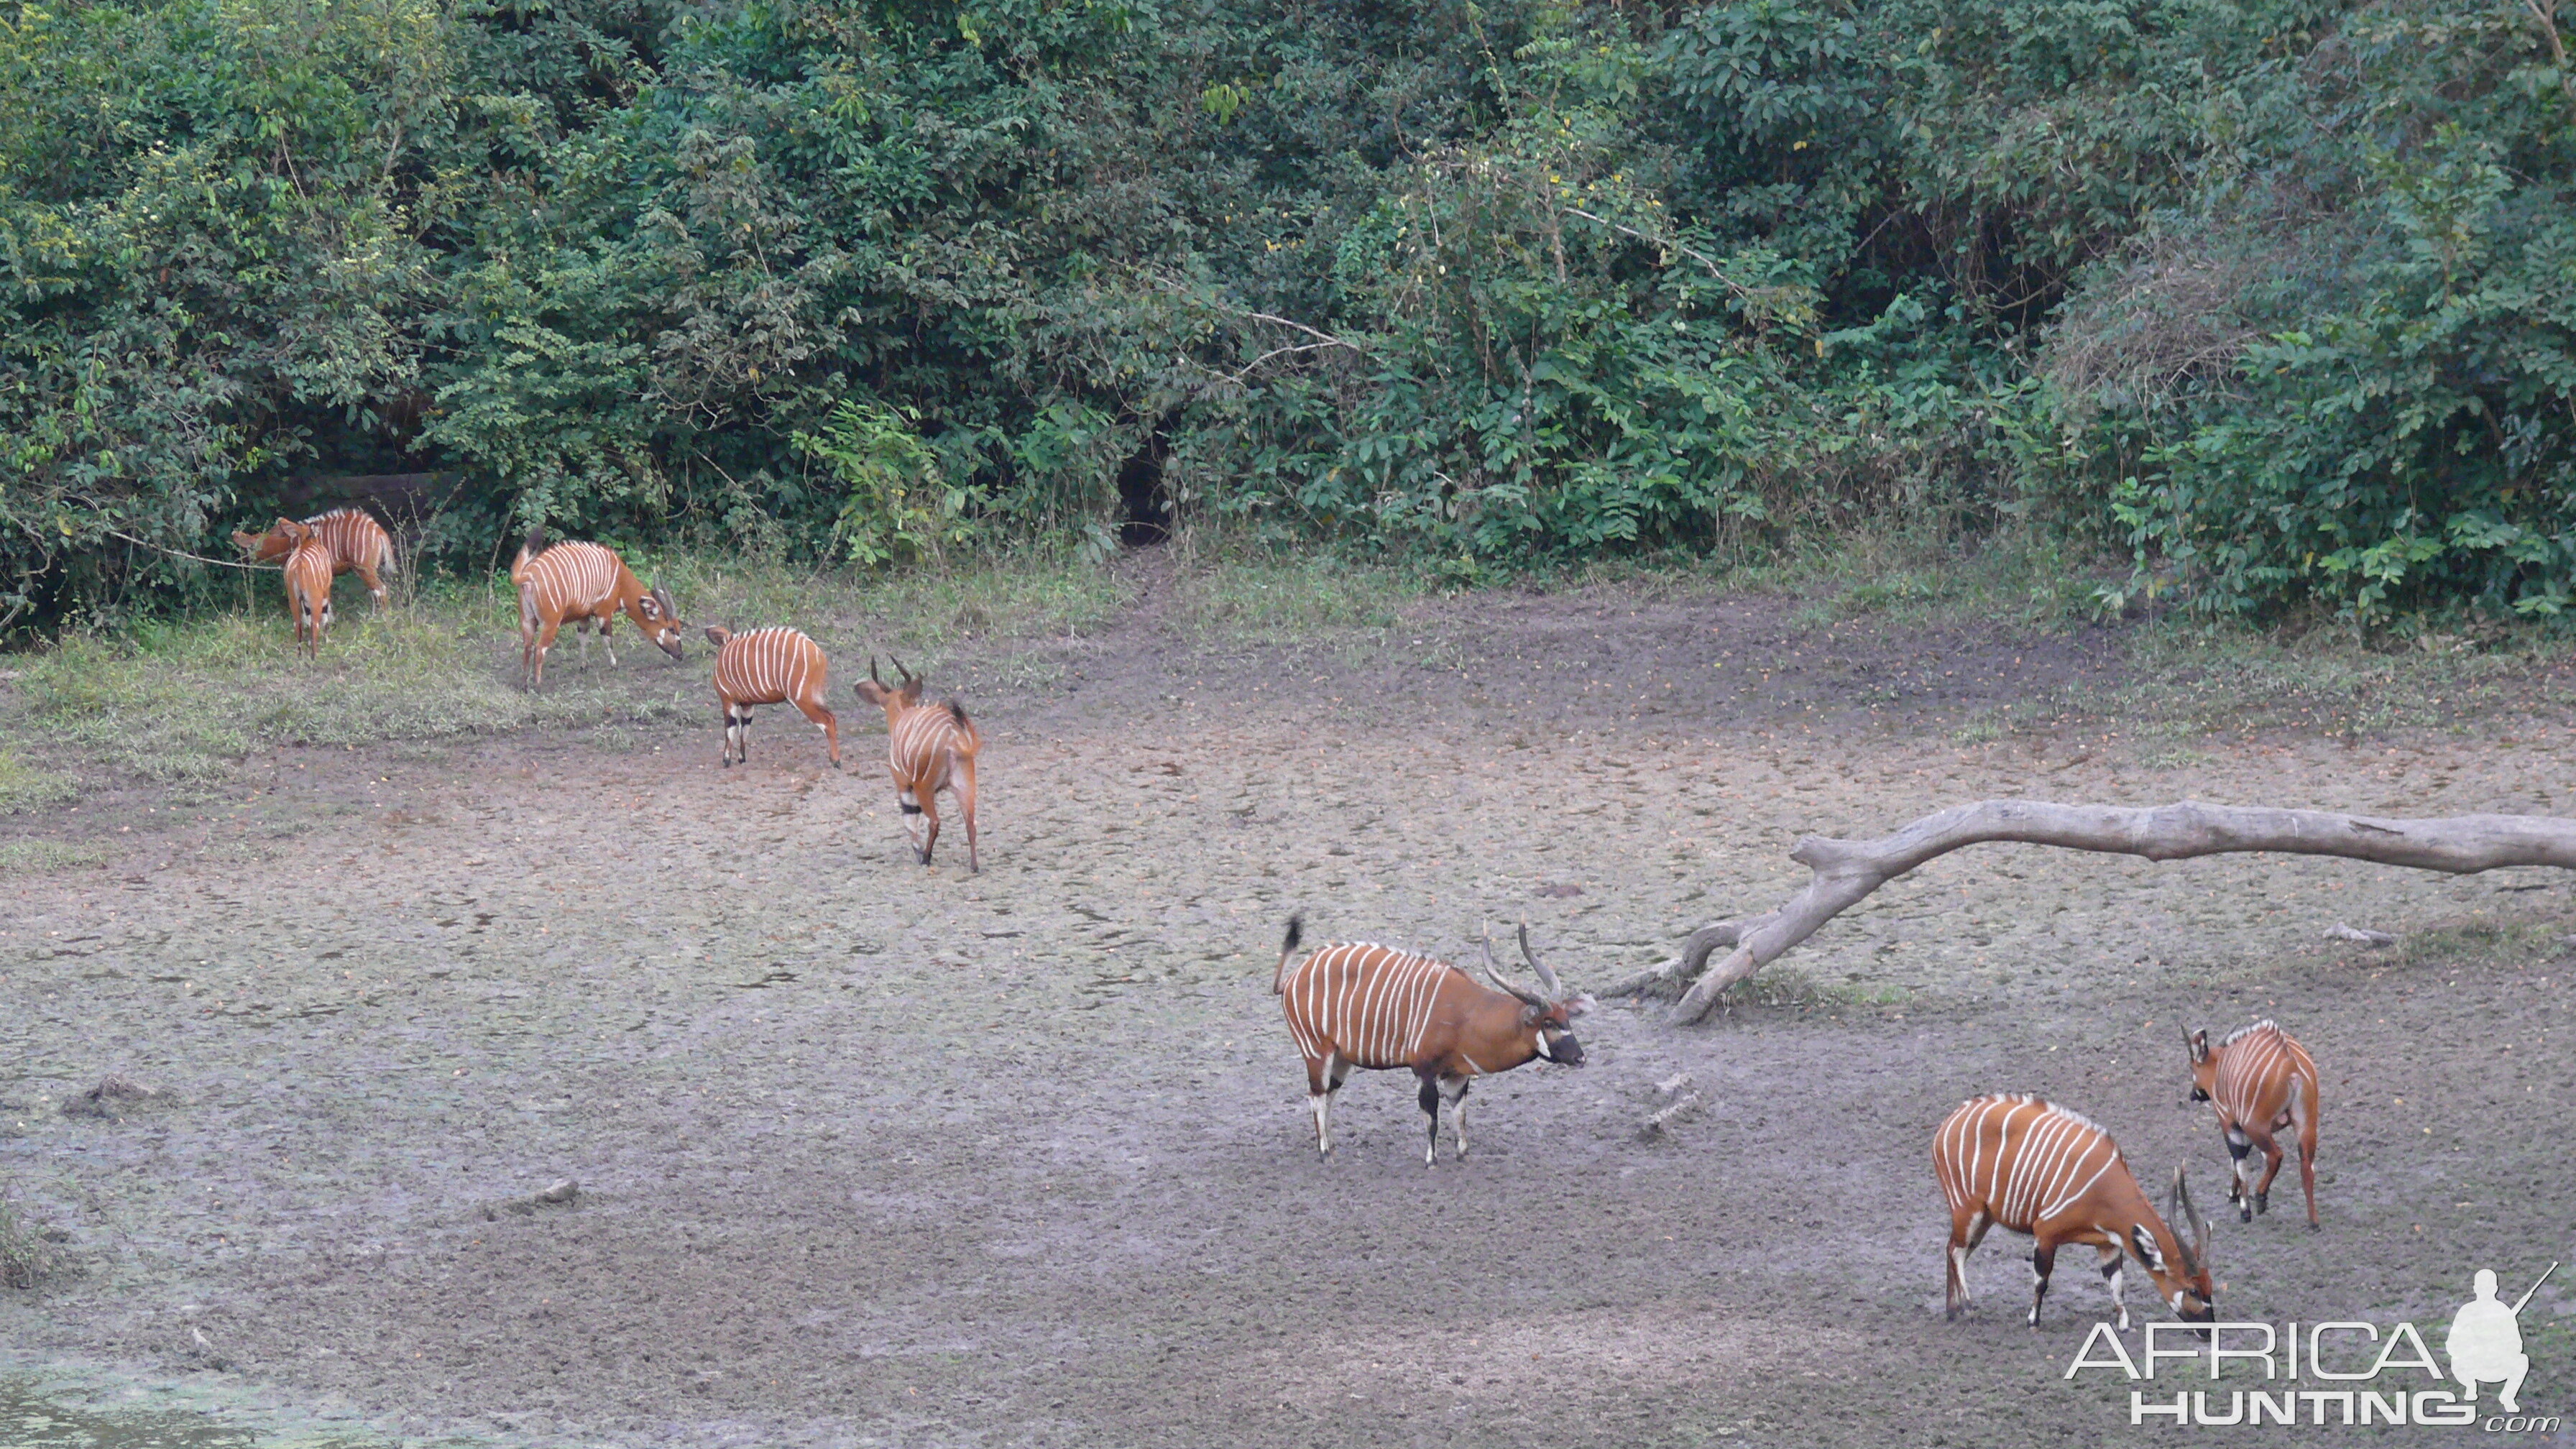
39, 1411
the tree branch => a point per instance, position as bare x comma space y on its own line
2546, 12
1326, 338
1694, 254
1847, 871
197, 557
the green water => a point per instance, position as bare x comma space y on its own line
42, 1413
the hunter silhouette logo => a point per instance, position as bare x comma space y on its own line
2336, 1372
2485, 1345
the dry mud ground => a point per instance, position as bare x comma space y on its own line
871, 1154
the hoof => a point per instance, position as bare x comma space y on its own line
2262, 1202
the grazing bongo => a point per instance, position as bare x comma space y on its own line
2040, 1169
927, 750
586, 583
770, 666
1359, 1004
356, 541
308, 585
2261, 1081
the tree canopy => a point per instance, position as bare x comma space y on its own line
2277, 298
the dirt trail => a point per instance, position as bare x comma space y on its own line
870, 1154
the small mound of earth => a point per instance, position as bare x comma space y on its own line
115, 1098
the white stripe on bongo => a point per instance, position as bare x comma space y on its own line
1370, 1005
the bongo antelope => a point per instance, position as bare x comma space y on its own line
355, 540
927, 750
770, 666
585, 583
1358, 1004
308, 585
2261, 1081
2040, 1169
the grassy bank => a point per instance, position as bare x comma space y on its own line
182, 702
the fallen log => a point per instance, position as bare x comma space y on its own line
1847, 871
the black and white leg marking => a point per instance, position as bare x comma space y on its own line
2240, 1180
1335, 1069
2042, 1262
914, 826
2114, 1264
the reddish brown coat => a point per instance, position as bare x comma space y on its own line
308, 586
356, 541
2260, 1080
585, 583
1360, 1004
2035, 1167
770, 666
928, 749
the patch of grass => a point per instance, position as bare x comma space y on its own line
34, 857
2168, 745
924, 611
1921, 574
1982, 728
183, 702
2200, 680
2039, 710
2484, 943
1789, 988
1291, 600
23, 787
29, 1255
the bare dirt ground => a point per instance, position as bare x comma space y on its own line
876, 1155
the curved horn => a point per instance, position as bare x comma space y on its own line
2180, 1202
908, 675
1555, 988
872, 671
1495, 974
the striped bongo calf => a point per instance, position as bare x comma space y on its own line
770, 666
355, 540
308, 585
2040, 1169
927, 750
1359, 1004
2261, 1081
588, 584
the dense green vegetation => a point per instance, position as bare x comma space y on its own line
2275, 299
